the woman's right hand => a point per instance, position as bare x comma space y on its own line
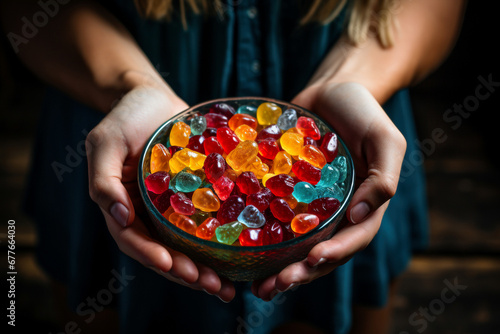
113, 150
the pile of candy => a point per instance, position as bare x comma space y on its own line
251, 177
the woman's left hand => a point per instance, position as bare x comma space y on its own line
377, 148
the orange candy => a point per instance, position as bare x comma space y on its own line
313, 155
240, 119
206, 230
245, 132
304, 222
160, 155
183, 222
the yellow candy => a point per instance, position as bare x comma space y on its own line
243, 153
282, 163
179, 135
312, 155
257, 167
160, 155
268, 113
292, 142
245, 132
205, 200
186, 158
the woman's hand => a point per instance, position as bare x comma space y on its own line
113, 148
377, 148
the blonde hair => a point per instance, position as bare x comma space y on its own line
366, 16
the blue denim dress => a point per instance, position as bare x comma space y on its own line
256, 48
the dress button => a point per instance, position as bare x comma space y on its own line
256, 66
252, 12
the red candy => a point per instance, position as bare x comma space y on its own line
281, 210
216, 120
272, 131
222, 109
223, 187
214, 167
162, 202
268, 148
206, 230
157, 182
260, 199
307, 128
273, 233
211, 145
209, 132
196, 144
173, 149
306, 172
323, 208
329, 146
182, 204
281, 185
248, 183
227, 139
251, 237
230, 209
310, 141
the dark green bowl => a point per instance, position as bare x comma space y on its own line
239, 263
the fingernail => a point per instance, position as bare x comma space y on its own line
120, 213
359, 212
320, 261
288, 287
222, 300
211, 294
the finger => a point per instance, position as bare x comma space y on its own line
137, 244
106, 153
227, 291
346, 242
266, 289
208, 280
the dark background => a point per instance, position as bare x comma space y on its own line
463, 190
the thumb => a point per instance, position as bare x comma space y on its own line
106, 154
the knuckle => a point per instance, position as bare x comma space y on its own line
387, 186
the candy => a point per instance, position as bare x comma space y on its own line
230, 209
204, 199
281, 185
211, 145
324, 207
267, 177
222, 109
329, 146
248, 183
243, 153
182, 204
281, 210
245, 132
186, 158
214, 166
341, 164
329, 175
209, 132
257, 167
310, 141
312, 155
157, 182
251, 217
333, 191
292, 143
268, 148
306, 172
173, 149
268, 113
272, 131
216, 120
206, 230
272, 234
229, 233
304, 222
240, 119
162, 201
198, 125
223, 187
251, 237
227, 139
200, 216
187, 182
184, 223
260, 199
304, 192
245, 109
282, 163
308, 128
179, 135
287, 120
196, 144
160, 156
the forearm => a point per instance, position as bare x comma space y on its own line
425, 33
84, 51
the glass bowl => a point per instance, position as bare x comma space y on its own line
239, 263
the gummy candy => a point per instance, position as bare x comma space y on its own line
292, 143
179, 135
272, 234
308, 128
306, 172
162, 201
196, 144
287, 120
223, 187
329, 146
160, 156
271, 131
251, 217
240, 119
206, 230
187, 182
216, 120
186, 158
229, 233
198, 125
304, 192
304, 222
281, 210
341, 164
281, 185
248, 183
214, 166
204, 199
268, 148
260, 199
184, 223
312, 155
230, 209
222, 109
182, 204
282, 163
329, 175
243, 153
157, 182
227, 139
324, 207
251, 237
268, 113
211, 145
252, 111
245, 132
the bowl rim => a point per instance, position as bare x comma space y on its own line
252, 249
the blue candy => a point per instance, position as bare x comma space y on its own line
252, 217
